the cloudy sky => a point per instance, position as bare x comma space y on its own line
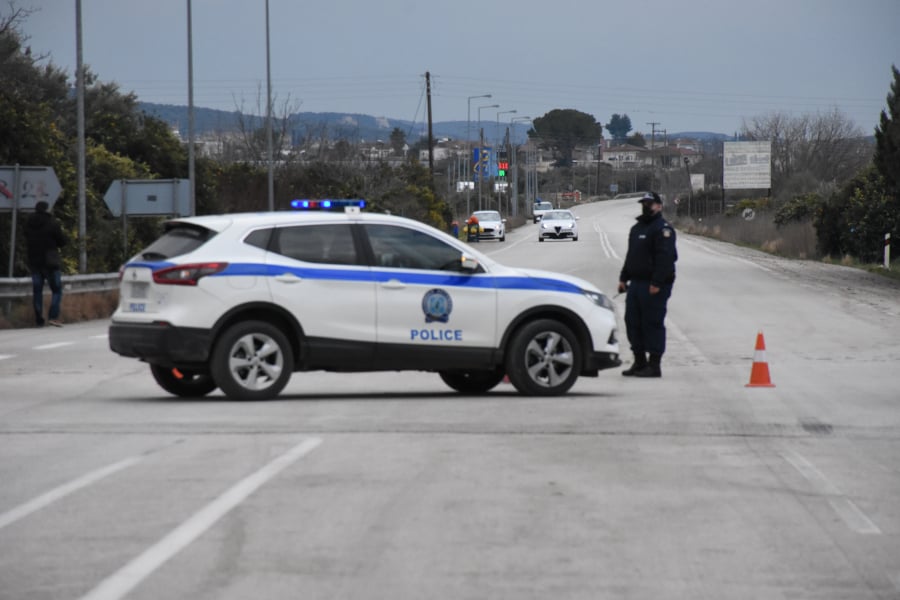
686, 65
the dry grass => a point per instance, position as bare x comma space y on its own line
83, 306
795, 240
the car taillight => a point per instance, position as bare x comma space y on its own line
187, 274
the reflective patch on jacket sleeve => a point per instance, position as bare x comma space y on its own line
667, 232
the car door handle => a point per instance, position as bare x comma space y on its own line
288, 278
393, 284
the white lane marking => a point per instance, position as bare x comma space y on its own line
895, 579
132, 574
54, 345
608, 249
23, 510
100, 337
849, 512
5, 356
723, 255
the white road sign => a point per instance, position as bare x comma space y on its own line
747, 165
32, 185
149, 197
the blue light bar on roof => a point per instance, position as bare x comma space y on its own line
325, 204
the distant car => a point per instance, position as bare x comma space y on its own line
492, 225
539, 209
558, 225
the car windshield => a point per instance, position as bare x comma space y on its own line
488, 215
558, 215
543, 206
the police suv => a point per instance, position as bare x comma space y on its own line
240, 301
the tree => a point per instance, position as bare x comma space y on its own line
561, 130
887, 139
637, 139
823, 150
398, 140
619, 126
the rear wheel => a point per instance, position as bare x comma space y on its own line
252, 361
544, 358
185, 383
472, 382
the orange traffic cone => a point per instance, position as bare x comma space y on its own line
759, 375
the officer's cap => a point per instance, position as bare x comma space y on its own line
651, 197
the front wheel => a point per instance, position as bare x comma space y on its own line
472, 382
252, 360
544, 358
184, 383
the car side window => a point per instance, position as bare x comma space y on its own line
332, 244
410, 249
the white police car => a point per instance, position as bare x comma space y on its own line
240, 301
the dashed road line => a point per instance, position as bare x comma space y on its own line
53, 345
5, 356
25, 509
845, 508
132, 574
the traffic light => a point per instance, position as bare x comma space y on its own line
502, 168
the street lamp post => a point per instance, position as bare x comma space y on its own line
497, 130
481, 148
497, 152
514, 197
469, 148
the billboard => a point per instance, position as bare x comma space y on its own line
747, 165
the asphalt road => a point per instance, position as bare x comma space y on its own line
392, 486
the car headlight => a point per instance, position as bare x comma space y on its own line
600, 300
544, 225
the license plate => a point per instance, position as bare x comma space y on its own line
139, 289
137, 307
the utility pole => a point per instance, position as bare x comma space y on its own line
82, 185
652, 125
430, 136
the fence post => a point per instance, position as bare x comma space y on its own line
887, 250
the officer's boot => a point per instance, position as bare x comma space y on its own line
640, 362
652, 369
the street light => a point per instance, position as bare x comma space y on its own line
481, 148
514, 197
497, 131
469, 148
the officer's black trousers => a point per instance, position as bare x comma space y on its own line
645, 316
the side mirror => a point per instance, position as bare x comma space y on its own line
469, 263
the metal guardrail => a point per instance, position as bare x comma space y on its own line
20, 287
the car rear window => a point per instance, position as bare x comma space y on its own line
178, 239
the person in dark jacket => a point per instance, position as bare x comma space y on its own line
44, 237
648, 275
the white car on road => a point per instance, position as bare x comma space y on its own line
559, 224
240, 301
493, 226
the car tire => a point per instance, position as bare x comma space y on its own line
541, 239
575, 239
252, 360
183, 382
544, 358
503, 238
472, 382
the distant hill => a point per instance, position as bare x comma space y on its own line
353, 127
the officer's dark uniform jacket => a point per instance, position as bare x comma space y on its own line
651, 252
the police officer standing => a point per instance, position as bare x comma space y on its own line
648, 275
